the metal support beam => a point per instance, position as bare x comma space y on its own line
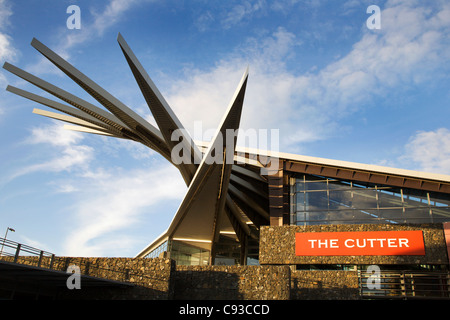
140, 127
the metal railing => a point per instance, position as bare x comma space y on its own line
14, 249
404, 285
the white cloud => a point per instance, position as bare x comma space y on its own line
54, 134
204, 20
429, 151
243, 10
103, 19
230, 14
7, 50
111, 14
120, 201
67, 188
107, 199
271, 90
412, 48
285, 6
68, 153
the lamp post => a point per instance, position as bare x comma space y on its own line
6, 234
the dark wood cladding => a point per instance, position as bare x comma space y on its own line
367, 176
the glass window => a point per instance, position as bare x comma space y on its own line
418, 214
389, 199
317, 217
364, 199
440, 214
302, 217
391, 215
341, 216
300, 204
414, 201
158, 250
316, 185
318, 200
340, 199
185, 254
367, 216
339, 185
299, 186
439, 201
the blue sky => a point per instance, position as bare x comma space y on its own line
333, 87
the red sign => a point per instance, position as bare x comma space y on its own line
371, 243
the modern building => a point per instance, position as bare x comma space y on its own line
245, 206
319, 194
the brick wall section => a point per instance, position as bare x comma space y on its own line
277, 245
232, 282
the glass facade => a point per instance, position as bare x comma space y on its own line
184, 254
188, 255
321, 200
158, 250
227, 253
318, 200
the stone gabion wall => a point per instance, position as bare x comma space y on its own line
153, 277
232, 282
161, 279
277, 245
153, 273
324, 285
